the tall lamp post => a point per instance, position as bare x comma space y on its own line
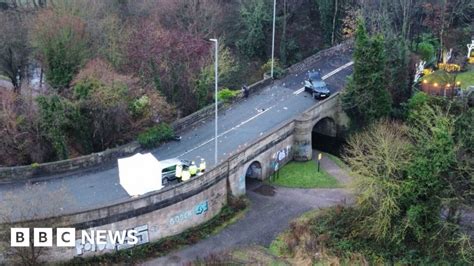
273, 36
215, 95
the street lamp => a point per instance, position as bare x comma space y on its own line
215, 96
273, 36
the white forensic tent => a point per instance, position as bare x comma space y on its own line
140, 174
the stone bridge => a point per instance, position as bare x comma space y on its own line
174, 209
290, 141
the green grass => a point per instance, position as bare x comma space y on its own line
278, 246
443, 78
466, 79
304, 175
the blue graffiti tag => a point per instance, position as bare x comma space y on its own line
201, 208
181, 217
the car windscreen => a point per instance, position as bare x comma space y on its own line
314, 76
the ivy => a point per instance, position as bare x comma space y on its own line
54, 122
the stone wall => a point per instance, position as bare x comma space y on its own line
270, 149
31, 172
208, 112
300, 66
159, 214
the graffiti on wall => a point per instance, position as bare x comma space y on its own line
199, 209
304, 150
142, 236
279, 157
242, 182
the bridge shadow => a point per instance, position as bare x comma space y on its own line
253, 180
324, 137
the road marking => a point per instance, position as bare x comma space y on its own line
328, 75
262, 112
227, 131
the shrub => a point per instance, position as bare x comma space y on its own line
449, 67
63, 45
155, 135
139, 106
426, 50
83, 88
278, 70
226, 95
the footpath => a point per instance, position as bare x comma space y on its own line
269, 214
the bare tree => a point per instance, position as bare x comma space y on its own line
14, 49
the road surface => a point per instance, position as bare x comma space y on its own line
238, 126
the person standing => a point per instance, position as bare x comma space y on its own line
202, 166
179, 171
193, 169
186, 175
245, 90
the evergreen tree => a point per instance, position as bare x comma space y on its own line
366, 98
255, 19
397, 70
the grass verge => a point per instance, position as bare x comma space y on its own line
228, 215
466, 79
442, 78
304, 175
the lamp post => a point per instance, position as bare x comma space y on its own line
273, 37
320, 156
215, 96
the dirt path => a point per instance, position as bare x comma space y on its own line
269, 215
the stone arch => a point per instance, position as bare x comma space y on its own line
253, 175
326, 126
254, 171
324, 136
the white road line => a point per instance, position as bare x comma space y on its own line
227, 131
328, 75
298, 91
261, 113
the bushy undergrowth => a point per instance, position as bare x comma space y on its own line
226, 95
330, 236
278, 70
153, 136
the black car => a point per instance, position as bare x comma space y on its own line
316, 86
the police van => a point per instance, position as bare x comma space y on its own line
168, 172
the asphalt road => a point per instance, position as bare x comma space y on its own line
237, 127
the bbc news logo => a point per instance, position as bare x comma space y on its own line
66, 237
